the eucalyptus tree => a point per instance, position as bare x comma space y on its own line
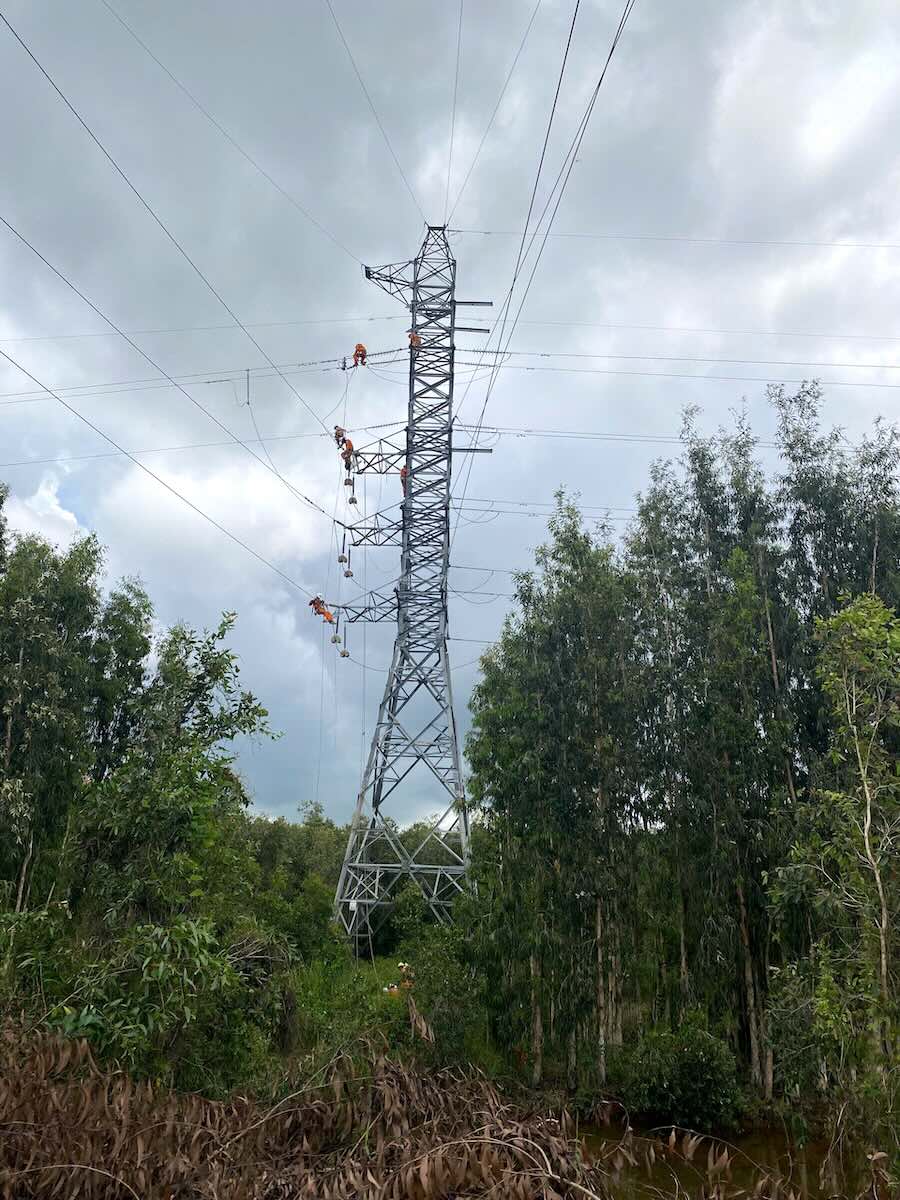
548, 757
845, 858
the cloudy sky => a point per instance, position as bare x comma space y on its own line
733, 146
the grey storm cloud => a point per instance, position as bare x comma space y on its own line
746, 124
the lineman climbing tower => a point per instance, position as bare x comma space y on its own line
415, 749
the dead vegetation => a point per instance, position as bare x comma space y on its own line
68, 1128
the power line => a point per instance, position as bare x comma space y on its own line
566, 171
701, 241
226, 374
503, 314
785, 333
228, 137
490, 570
275, 437
387, 140
563, 175
835, 337
591, 435
499, 430
68, 458
461, 505
698, 378
232, 374
493, 115
562, 71
502, 512
196, 403
567, 434
141, 466
383, 670
152, 211
265, 448
690, 358
60, 337
627, 508
453, 111
464, 592
537, 178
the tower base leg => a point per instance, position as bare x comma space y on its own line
377, 867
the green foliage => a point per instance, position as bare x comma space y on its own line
448, 988
338, 1004
145, 990
840, 994
549, 772
684, 754
686, 1078
299, 865
141, 906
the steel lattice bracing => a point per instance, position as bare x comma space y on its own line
414, 746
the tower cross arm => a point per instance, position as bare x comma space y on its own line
395, 278
373, 606
382, 458
377, 531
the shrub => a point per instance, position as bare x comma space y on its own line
140, 994
335, 1003
686, 1078
447, 988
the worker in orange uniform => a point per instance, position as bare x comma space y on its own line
414, 340
404, 471
347, 453
317, 604
359, 355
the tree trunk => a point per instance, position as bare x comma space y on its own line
601, 995
611, 959
572, 1062
883, 923
769, 1080
21, 893
666, 996
749, 988
537, 1024
776, 682
768, 1049
7, 750
616, 989
874, 559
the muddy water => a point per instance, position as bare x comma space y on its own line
805, 1170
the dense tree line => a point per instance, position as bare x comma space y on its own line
685, 753
684, 768
141, 903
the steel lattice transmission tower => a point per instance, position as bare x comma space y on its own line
414, 745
